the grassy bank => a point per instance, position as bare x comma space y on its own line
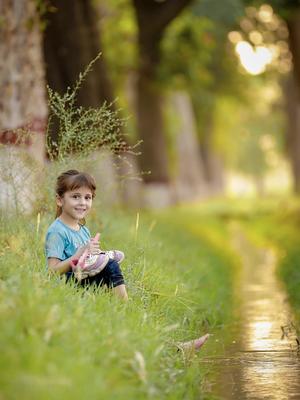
61, 342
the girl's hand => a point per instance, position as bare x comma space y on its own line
94, 245
80, 251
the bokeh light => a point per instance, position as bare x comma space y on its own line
254, 60
262, 41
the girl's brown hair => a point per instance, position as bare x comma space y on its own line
71, 180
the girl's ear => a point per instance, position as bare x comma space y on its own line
58, 200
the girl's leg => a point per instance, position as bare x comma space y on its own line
121, 292
112, 277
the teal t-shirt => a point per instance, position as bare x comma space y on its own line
63, 241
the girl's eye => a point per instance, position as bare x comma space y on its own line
77, 196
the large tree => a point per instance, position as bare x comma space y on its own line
153, 18
22, 84
196, 57
293, 24
73, 37
23, 108
289, 10
71, 40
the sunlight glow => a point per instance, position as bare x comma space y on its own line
235, 37
260, 334
254, 60
262, 41
256, 37
265, 13
276, 181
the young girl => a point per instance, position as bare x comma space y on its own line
69, 240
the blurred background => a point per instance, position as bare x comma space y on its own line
209, 90
166, 102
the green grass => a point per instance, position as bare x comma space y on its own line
59, 341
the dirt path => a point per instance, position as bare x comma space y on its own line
263, 361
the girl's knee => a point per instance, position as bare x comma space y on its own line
113, 266
114, 273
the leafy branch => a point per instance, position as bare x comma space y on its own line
83, 130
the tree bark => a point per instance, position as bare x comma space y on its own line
23, 108
22, 84
213, 168
189, 178
293, 98
205, 145
72, 39
152, 19
293, 24
293, 129
153, 161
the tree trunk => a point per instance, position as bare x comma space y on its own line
71, 40
205, 145
293, 99
189, 179
293, 24
22, 84
23, 108
153, 161
152, 19
213, 168
293, 129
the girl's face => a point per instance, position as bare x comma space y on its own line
76, 203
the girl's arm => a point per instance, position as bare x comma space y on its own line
56, 265
61, 267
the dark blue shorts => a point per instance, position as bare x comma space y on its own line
111, 276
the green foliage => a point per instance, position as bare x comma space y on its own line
225, 14
85, 137
290, 273
286, 240
195, 51
82, 131
187, 49
253, 143
63, 342
196, 56
119, 41
118, 21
